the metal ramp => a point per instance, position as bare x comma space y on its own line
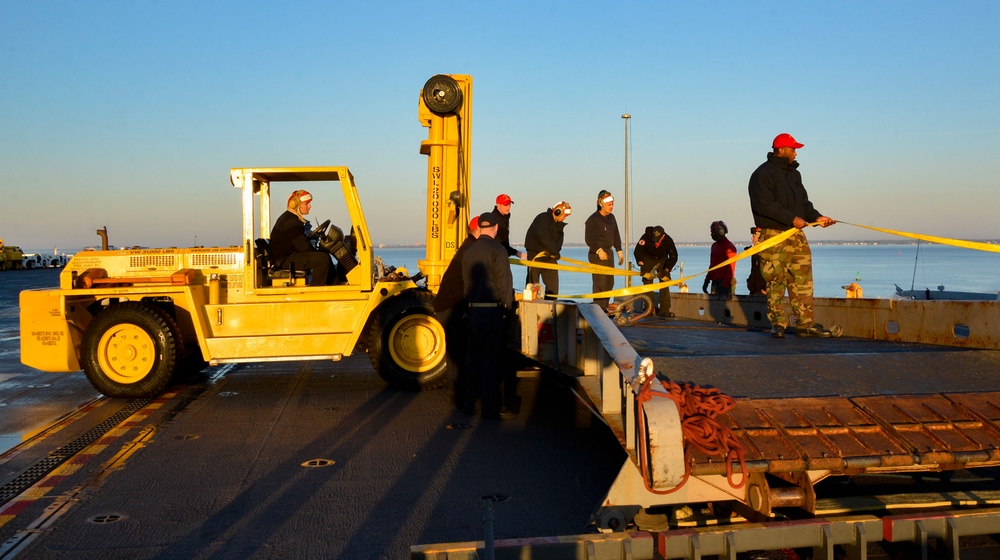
875, 402
865, 434
788, 444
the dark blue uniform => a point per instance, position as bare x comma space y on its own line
489, 292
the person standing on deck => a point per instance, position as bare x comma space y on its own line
601, 234
449, 308
489, 291
656, 255
502, 211
543, 242
755, 281
778, 201
723, 280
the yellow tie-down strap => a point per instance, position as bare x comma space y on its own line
976, 245
635, 290
587, 268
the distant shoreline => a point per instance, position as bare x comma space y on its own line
737, 242
709, 243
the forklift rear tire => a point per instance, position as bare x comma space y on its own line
129, 351
406, 343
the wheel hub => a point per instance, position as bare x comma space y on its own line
127, 353
416, 343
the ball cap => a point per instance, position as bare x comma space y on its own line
504, 200
474, 223
487, 220
785, 140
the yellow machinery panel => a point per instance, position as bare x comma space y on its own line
47, 341
286, 318
262, 348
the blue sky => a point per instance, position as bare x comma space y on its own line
130, 114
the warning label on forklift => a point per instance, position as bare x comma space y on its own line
48, 338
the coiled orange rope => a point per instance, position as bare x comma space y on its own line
698, 407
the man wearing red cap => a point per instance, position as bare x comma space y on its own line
289, 244
779, 201
502, 210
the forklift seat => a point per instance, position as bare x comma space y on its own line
276, 271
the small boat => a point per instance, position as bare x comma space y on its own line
942, 294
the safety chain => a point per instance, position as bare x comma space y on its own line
698, 407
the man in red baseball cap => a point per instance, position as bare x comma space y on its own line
785, 140
502, 210
779, 201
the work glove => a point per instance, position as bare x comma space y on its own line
602, 254
621, 258
704, 287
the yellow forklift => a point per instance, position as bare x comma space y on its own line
133, 319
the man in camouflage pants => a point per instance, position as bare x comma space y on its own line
779, 201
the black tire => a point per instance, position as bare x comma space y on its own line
406, 343
442, 94
189, 363
129, 351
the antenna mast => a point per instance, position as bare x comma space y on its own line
628, 256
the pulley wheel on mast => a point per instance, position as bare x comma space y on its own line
442, 94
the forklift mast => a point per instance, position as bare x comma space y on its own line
446, 110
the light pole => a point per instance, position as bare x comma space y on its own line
628, 257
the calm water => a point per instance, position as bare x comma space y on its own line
875, 267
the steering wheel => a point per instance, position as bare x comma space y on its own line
320, 231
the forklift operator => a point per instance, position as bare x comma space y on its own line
290, 245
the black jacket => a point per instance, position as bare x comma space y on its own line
544, 235
651, 254
451, 292
503, 232
601, 232
777, 195
288, 236
486, 273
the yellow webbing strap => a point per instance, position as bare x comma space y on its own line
586, 269
993, 248
635, 290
